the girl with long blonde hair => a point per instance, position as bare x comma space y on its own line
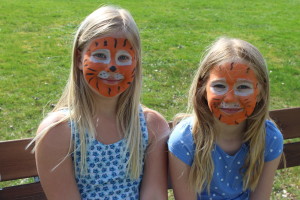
99, 142
228, 148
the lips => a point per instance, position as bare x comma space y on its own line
110, 81
231, 110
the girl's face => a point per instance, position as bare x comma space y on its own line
232, 91
109, 65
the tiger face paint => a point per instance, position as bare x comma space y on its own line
109, 65
232, 91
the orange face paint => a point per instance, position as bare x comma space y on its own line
109, 65
232, 91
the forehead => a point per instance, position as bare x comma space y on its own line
233, 71
110, 43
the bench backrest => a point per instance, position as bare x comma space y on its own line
18, 163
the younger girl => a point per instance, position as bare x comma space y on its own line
94, 144
228, 148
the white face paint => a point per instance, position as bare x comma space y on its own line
219, 86
100, 56
123, 58
242, 87
229, 105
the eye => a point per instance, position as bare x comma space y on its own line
123, 58
219, 86
100, 56
243, 87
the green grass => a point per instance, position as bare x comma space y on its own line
36, 38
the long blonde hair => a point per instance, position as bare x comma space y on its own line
77, 96
204, 133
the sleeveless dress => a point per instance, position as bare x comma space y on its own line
106, 171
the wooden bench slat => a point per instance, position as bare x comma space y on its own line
15, 161
32, 191
292, 155
288, 121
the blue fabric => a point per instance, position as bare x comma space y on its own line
106, 173
227, 182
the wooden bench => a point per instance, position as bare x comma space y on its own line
18, 163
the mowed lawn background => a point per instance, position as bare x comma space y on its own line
36, 39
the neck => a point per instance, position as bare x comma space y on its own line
229, 137
233, 132
105, 106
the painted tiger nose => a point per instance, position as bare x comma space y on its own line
230, 96
113, 68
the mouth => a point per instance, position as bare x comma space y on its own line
231, 111
110, 81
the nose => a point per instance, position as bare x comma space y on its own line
230, 97
113, 68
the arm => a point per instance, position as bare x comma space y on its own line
154, 183
179, 172
52, 150
264, 186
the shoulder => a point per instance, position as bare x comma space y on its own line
272, 132
156, 123
182, 131
274, 141
181, 142
54, 131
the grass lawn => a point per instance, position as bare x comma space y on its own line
36, 38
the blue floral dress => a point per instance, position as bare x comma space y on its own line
106, 173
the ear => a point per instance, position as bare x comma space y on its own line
79, 59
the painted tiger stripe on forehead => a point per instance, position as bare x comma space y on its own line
124, 44
116, 42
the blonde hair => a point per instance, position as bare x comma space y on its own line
221, 51
77, 96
